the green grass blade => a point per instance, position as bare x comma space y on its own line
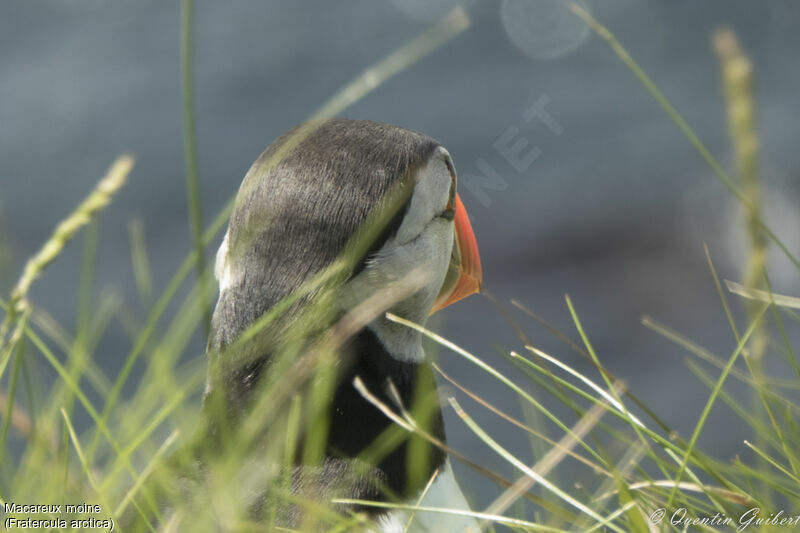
142, 272
190, 151
525, 469
707, 409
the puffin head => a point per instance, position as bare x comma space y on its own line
308, 197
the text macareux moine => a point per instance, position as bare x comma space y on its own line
80, 508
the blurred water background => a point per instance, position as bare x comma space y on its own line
607, 201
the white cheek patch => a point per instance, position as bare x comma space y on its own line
222, 270
430, 197
428, 253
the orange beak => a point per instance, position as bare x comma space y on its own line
464, 275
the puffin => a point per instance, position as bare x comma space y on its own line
384, 198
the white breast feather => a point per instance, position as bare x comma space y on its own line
222, 270
444, 493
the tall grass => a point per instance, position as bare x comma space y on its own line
194, 199
140, 454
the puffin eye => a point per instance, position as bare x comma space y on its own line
450, 209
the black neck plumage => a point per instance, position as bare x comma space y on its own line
357, 423
353, 466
